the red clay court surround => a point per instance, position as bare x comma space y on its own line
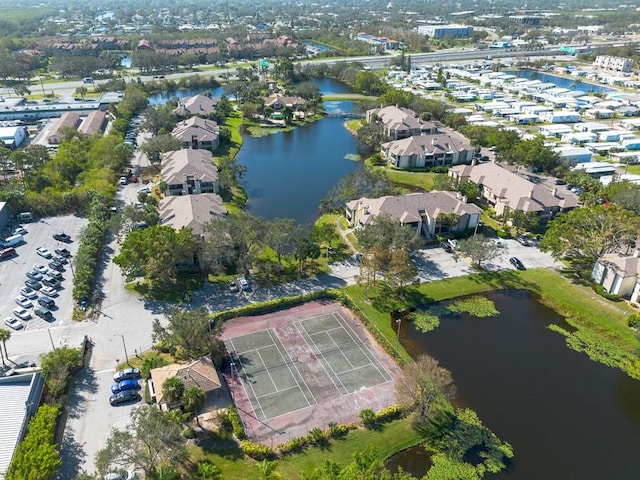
304, 367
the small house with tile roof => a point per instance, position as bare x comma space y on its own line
200, 373
618, 275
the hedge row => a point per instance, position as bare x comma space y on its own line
257, 451
236, 423
271, 305
599, 289
37, 455
91, 240
316, 437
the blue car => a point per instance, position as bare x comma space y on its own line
130, 384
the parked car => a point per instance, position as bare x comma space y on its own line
126, 374
34, 275
233, 287
524, 241
21, 313
62, 237
7, 253
46, 302
130, 384
49, 291
28, 292
19, 231
60, 259
13, 323
44, 252
38, 267
447, 248
55, 265
124, 397
24, 302
33, 284
63, 252
50, 282
517, 263
243, 284
43, 313
54, 274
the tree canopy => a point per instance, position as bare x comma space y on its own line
584, 234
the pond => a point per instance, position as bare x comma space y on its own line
569, 83
288, 173
565, 416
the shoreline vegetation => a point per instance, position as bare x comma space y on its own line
600, 332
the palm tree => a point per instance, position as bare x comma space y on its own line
267, 470
193, 401
4, 336
172, 389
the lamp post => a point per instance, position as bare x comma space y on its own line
398, 323
124, 345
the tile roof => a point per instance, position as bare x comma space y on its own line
514, 191
188, 161
190, 211
204, 130
436, 143
199, 373
197, 105
407, 208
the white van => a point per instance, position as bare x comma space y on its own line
12, 241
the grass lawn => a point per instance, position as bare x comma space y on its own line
421, 180
391, 438
634, 169
185, 284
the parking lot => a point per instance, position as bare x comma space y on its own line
13, 270
435, 263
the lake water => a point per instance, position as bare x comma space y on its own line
163, 97
565, 416
562, 82
288, 173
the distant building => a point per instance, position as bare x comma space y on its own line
93, 123
525, 19
69, 119
201, 105
13, 137
428, 150
573, 155
442, 31
383, 42
198, 133
398, 122
616, 64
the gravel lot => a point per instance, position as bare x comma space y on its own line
13, 270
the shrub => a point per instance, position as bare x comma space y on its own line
257, 451
317, 437
390, 413
236, 423
295, 445
338, 431
368, 418
188, 433
634, 320
599, 289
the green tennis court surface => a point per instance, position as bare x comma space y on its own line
334, 357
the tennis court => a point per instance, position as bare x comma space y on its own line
304, 367
272, 381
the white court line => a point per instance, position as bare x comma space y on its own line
264, 365
378, 366
289, 364
243, 383
340, 350
327, 363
